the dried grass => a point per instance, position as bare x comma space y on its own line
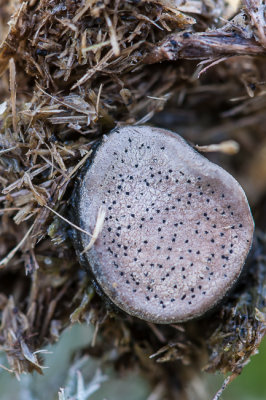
72, 71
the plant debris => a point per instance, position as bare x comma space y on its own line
70, 72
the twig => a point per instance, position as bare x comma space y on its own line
209, 45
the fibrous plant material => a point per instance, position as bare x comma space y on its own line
177, 228
71, 71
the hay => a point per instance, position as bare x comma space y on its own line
71, 71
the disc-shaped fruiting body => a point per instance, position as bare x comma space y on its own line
177, 227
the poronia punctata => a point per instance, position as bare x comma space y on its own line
177, 227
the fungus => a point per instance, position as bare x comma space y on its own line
177, 227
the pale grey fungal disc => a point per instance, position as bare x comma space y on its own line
177, 228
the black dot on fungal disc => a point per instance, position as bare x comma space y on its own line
151, 218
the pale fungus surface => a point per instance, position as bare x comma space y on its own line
177, 227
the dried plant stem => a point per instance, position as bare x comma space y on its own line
6, 260
10, 209
81, 162
12, 69
6, 369
230, 147
226, 382
210, 45
67, 221
7, 150
96, 231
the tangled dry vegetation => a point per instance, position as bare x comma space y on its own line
73, 70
